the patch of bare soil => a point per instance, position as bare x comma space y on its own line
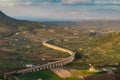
7, 50
100, 77
2, 42
63, 73
117, 76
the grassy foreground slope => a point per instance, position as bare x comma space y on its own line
44, 75
49, 75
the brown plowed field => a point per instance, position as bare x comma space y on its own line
101, 77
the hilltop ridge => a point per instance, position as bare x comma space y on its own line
2, 14
10, 25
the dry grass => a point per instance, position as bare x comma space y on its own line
3, 29
100, 77
117, 76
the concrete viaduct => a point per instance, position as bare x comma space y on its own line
48, 65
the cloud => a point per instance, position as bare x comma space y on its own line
107, 1
63, 2
63, 8
76, 1
70, 14
96, 13
28, 3
24, 2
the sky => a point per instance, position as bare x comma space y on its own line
61, 9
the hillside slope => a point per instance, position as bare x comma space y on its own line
10, 25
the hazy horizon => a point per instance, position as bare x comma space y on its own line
61, 9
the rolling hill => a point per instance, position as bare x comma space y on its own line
10, 25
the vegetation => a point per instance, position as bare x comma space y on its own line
95, 42
1, 77
98, 50
49, 75
11, 25
86, 72
19, 45
44, 75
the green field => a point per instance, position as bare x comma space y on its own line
18, 50
86, 72
49, 75
44, 75
1, 77
101, 50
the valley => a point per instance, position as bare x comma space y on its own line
95, 42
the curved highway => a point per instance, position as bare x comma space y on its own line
48, 65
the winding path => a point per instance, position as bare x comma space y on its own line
48, 65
